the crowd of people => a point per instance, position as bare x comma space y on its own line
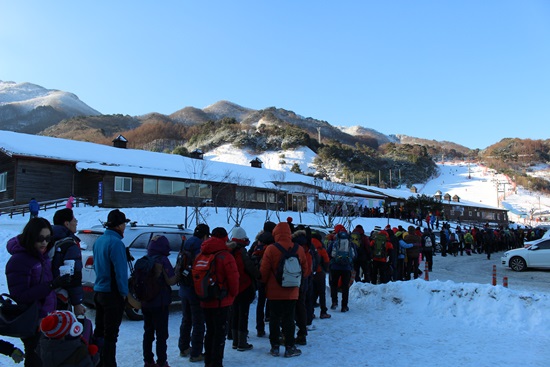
46, 267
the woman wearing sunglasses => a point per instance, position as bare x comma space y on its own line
29, 276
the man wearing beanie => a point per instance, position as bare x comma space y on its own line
191, 338
111, 285
282, 300
248, 274
256, 252
216, 311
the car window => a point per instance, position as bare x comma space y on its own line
87, 240
545, 245
175, 240
141, 241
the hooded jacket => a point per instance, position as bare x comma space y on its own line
226, 271
29, 275
270, 263
166, 271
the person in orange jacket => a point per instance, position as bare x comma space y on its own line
216, 311
282, 300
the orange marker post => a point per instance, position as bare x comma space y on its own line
494, 275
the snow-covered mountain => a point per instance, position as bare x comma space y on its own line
28, 107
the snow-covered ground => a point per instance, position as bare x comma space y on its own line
457, 318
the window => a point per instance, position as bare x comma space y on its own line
3, 181
123, 184
149, 186
260, 196
165, 187
271, 197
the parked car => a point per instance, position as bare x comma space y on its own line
136, 238
536, 254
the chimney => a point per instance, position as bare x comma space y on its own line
256, 162
196, 154
456, 199
120, 142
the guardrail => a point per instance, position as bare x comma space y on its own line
22, 209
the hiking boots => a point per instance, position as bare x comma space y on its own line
345, 309
325, 316
274, 351
150, 364
245, 347
301, 340
185, 352
261, 333
198, 358
292, 352
333, 306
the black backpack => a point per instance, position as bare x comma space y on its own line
144, 281
184, 264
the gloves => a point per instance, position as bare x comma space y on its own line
17, 355
61, 281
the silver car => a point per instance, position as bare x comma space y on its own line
136, 238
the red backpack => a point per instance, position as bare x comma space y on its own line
205, 280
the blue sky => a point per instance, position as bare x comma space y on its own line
472, 72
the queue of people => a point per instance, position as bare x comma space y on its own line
242, 271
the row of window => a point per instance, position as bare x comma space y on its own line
166, 187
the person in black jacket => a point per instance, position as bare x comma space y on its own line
67, 251
256, 252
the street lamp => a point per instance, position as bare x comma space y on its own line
186, 202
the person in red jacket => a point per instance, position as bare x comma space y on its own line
282, 300
248, 274
216, 311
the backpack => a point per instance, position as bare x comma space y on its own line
58, 252
379, 250
144, 281
428, 242
184, 264
289, 271
452, 237
342, 250
357, 240
205, 278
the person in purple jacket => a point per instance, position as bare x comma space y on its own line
30, 279
156, 311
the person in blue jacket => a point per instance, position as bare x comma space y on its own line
111, 285
34, 207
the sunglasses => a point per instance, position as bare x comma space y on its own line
42, 238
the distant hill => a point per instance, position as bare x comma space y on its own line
342, 152
29, 108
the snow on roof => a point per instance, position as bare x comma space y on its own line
92, 156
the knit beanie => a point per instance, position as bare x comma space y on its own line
269, 226
58, 324
238, 234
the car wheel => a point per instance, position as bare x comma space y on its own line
133, 314
517, 263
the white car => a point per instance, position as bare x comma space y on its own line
535, 255
136, 238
